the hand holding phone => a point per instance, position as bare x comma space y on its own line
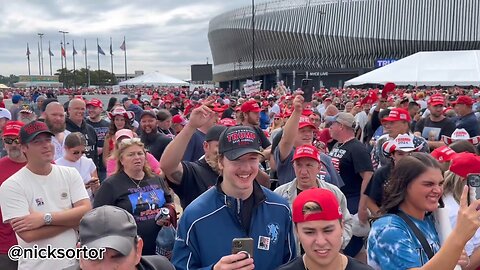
243, 245
307, 88
473, 180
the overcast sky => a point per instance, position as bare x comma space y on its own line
163, 35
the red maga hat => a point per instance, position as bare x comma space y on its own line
330, 209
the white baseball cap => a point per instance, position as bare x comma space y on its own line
4, 113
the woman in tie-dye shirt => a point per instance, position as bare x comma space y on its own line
415, 188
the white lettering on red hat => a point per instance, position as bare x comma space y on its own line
460, 134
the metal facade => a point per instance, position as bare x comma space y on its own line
338, 34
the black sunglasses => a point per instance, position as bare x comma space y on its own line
78, 152
10, 140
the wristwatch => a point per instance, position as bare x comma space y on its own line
47, 218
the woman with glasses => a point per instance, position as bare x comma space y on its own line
136, 189
74, 156
412, 193
112, 162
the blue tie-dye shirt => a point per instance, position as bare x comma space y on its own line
392, 245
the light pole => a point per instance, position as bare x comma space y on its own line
88, 73
64, 46
42, 71
253, 40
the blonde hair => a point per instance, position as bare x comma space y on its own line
453, 184
311, 208
122, 146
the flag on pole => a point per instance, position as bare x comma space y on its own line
100, 51
74, 51
111, 50
28, 52
123, 47
63, 51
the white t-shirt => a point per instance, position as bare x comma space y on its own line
59, 146
453, 208
55, 192
361, 119
84, 166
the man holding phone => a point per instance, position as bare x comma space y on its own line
236, 207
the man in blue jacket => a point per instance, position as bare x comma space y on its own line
236, 207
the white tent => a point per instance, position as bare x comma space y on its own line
154, 79
444, 68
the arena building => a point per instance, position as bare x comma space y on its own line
332, 41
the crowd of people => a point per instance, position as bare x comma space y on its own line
353, 179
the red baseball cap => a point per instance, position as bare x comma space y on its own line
464, 100
306, 151
12, 128
443, 154
250, 106
95, 102
228, 122
436, 99
397, 114
465, 163
305, 122
178, 119
330, 209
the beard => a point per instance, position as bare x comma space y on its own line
55, 128
14, 153
213, 163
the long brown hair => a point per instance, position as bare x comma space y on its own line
405, 172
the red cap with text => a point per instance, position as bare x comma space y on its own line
95, 102
12, 128
397, 114
329, 208
306, 151
443, 154
250, 106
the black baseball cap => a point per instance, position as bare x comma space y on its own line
238, 141
213, 134
149, 113
32, 130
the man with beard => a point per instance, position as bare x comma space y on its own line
155, 142
101, 127
436, 124
76, 123
10, 164
189, 179
26, 114
55, 120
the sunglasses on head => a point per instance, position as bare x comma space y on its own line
130, 141
79, 152
10, 140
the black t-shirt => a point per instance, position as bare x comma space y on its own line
229, 113
350, 159
429, 129
264, 142
101, 128
144, 203
90, 135
297, 264
155, 143
374, 189
197, 177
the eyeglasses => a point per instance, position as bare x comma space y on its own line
11, 141
79, 152
130, 141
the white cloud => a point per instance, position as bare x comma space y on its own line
167, 36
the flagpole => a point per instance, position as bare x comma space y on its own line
98, 57
50, 55
111, 54
74, 69
28, 59
61, 53
39, 61
125, 54
86, 63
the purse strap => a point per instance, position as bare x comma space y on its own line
417, 233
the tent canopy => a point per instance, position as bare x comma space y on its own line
3, 86
154, 79
444, 68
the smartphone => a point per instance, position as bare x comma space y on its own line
307, 88
243, 245
473, 180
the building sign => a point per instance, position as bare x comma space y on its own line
38, 78
383, 62
317, 74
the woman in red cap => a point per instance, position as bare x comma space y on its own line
319, 227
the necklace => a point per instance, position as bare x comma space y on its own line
342, 262
342, 144
136, 184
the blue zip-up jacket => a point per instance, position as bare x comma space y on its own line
210, 223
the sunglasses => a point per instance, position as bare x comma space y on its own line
10, 140
130, 141
79, 152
